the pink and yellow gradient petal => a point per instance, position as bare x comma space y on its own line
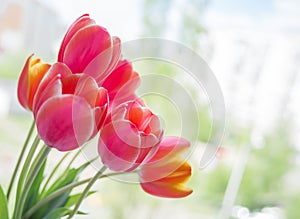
166, 173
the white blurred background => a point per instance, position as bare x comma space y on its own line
252, 46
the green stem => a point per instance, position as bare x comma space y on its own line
25, 168
35, 162
57, 166
33, 173
62, 190
73, 159
86, 190
20, 160
54, 171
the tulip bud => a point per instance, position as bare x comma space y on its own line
30, 78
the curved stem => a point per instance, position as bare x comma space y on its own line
58, 165
35, 162
73, 159
33, 173
20, 159
25, 168
86, 190
54, 171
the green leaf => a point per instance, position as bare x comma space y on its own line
61, 212
74, 198
3, 205
82, 213
33, 194
58, 213
54, 171
67, 177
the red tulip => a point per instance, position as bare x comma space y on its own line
69, 108
30, 78
130, 135
165, 174
89, 48
121, 83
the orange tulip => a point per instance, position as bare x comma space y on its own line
31, 76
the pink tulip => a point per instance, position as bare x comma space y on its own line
69, 108
130, 135
121, 83
165, 174
89, 48
30, 78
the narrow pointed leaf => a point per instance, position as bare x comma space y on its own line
58, 213
3, 205
74, 198
33, 194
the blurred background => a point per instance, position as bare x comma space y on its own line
252, 46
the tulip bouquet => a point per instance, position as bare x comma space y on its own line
88, 92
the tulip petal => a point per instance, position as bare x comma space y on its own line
53, 88
88, 44
57, 69
115, 57
166, 171
139, 115
65, 122
164, 182
166, 190
128, 88
120, 75
181, 175
88, 89
121, 82
36, 74
79, 23
100, 115
50, 84
101, 107
118, 145
116, 54
23, 84
169, 147
31, 76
